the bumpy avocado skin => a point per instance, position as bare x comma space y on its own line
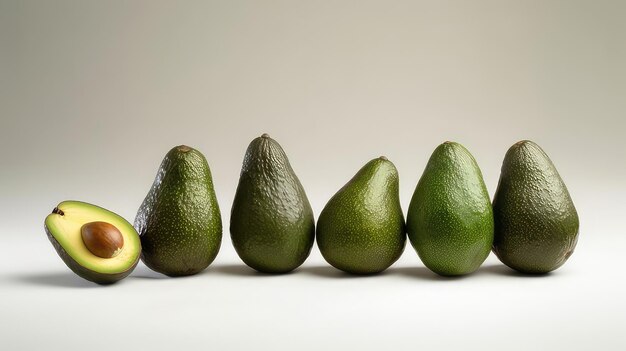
361, 229
272, 226
179, 221
88, 274
450, 219
536, 223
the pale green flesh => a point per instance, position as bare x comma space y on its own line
66, 230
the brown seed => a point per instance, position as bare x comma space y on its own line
102, 239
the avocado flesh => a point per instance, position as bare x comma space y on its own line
179, 221
450, 219
361, 229
536, 223
272, 224
64, 232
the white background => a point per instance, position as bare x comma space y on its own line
93, 94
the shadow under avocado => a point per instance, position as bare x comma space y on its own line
143, 272
242, 270
228, 269
56, 279
501, 269
423, 273
497, 269
329, 271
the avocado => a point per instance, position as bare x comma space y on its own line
95, 243
179, 221
450, 219
271, 225
536, 223
361, 229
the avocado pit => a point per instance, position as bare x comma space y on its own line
102, 239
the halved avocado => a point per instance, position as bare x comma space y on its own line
63, 227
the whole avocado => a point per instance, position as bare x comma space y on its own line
272, 226
361, 229
536, 223
450, 219
179, 221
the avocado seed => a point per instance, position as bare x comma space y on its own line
102, 239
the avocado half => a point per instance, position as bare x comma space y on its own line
63, 227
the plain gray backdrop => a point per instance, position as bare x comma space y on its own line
94, 93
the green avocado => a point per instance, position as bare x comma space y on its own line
536, 223
179, 221
361, 229
450, 219
271, 225
64, 227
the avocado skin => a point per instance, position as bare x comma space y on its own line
272, 226
536, 223
179, 221
93, 276
450, 219
361, 229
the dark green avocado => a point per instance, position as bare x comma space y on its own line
63, 227
272, 225
450, 219
536, 223
179, 221
361, 229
